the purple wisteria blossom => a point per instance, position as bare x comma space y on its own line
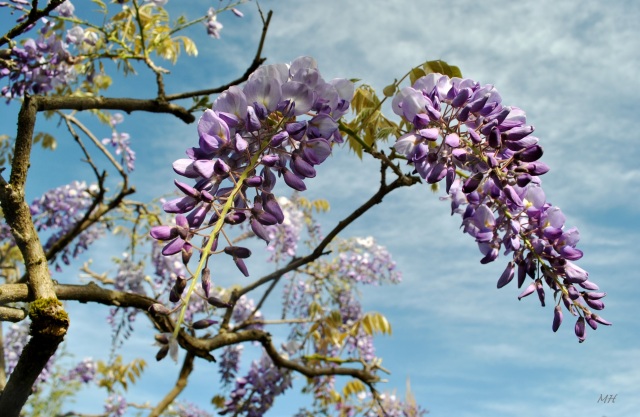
122, 143
254, 393
38, 65
229, 363
115, 406
66, 9
186, 409
213, 26
129, 278
58, 211
359, 261
392, 406
460, 132
282, 123
283, 238
15, 339
83, 372
364, 261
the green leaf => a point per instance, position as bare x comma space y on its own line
415, 74
102, 5
47, 141
441, 67
353, 387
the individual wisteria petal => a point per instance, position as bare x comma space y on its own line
205, 279
242, 267
316, 151
263, 90
259, 230
540, 290
175, 246
177, 289
185, 168
213, 131
293, 181
180, 205
270, 205
528, 291
163, 232
507, 275
297, 98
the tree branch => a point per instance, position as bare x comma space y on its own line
296, 263
125, 104
181, 383
33, 16
198, 347
257, 61
49, 321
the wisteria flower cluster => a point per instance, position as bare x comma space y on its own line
364, 261
284, 237
121, 141
57, 212
359, 261
38, 65
15, 339
282, 123
485, 152
254, 393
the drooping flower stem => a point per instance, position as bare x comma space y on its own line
206, 250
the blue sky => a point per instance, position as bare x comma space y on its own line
468, 349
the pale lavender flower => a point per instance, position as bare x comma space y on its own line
115, 406
84, 372
66, 9
254, 393
122, 144
213, 26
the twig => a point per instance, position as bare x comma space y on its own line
127, 105
34, 16
181, 383
257, 61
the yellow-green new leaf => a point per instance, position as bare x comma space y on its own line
415, 74
353, 387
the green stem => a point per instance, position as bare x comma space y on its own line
206, 251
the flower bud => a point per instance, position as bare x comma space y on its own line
507, 275
216, 302
162, 353
540, 290
177, 289
237, 251
557, 318
206, 281
241, 266
203, 324
158, 308
580, 329
472, 183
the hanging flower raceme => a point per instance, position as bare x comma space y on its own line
281, 124
485, 152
